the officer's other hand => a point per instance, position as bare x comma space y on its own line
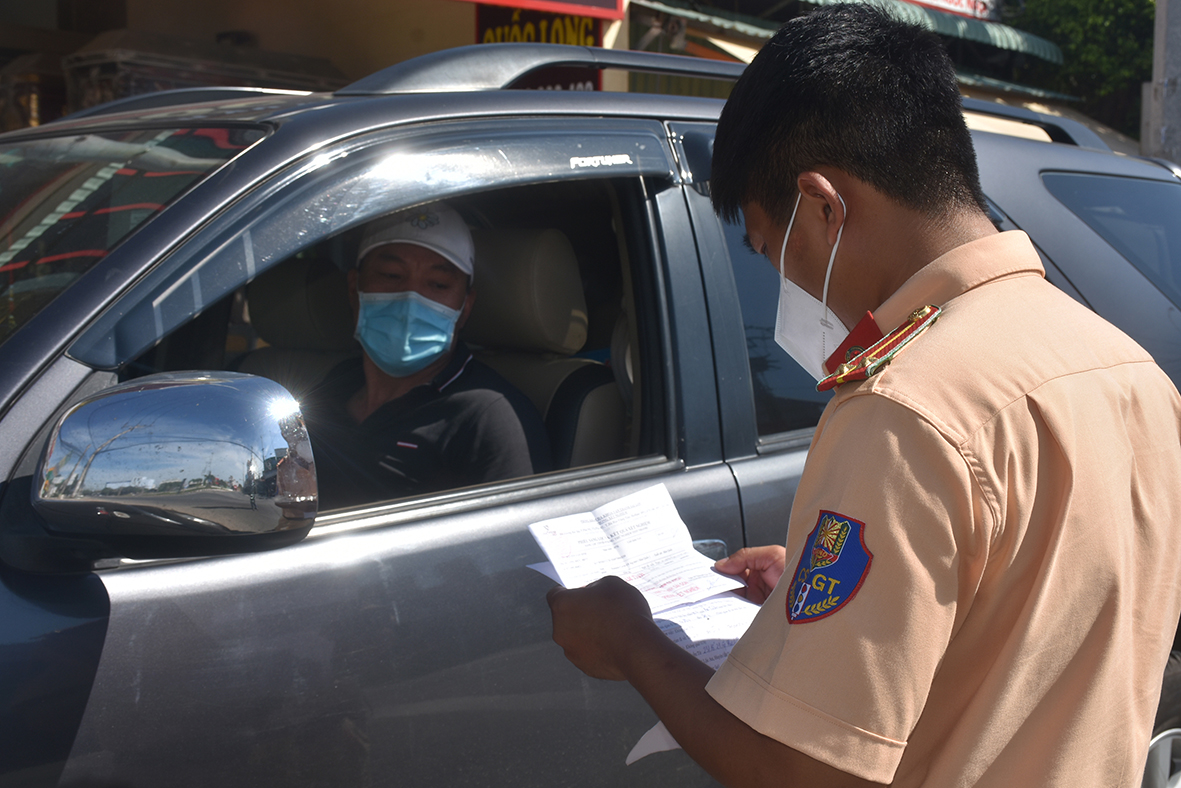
760, 567
595, 624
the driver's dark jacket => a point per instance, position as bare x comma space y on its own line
467, 426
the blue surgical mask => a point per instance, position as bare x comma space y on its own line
404, 332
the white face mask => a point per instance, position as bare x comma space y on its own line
806, 328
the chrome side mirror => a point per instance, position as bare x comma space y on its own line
185, 463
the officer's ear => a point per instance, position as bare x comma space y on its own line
820, 196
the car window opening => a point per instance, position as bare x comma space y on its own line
554, 315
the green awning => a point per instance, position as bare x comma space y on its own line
1011, 88
941, 22
727, 21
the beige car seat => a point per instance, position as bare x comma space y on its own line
529, 318
300, 308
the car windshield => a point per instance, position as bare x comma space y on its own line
65, 202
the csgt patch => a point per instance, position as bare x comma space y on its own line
834, 564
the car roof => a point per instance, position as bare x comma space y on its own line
476, 82
1001, 153
183, 107
465, 76
315, 119
329, 117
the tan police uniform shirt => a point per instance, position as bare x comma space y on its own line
1014, 479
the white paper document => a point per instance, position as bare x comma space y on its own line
657, 739
643, 540
639, 538
708, 630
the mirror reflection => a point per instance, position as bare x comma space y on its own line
181, 453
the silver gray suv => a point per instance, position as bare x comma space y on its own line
174, 610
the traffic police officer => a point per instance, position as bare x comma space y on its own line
978, 585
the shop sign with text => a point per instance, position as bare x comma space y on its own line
600, 9
501, 25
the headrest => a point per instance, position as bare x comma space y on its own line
302, 303
528, 293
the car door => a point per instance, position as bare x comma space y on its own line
769, 404
73, 209
405, 642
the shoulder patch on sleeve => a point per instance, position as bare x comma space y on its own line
832, 567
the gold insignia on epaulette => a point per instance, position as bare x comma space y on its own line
875, 358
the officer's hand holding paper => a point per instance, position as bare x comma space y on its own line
642, 539
639, 538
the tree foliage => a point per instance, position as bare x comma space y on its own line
1107, 49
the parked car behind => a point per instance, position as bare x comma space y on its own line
164, 619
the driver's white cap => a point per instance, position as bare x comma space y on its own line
437, 227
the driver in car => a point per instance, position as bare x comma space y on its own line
416, 413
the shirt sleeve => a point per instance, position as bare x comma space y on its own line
494, 445
888, 509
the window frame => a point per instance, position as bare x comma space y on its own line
739, 415
651, 171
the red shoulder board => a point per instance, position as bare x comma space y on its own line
875, 358
864, 334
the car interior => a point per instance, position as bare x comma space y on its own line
556, 280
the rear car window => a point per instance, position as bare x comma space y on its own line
66, 201
1139, 218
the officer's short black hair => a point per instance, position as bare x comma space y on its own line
851, 87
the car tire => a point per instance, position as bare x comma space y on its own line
1164, 753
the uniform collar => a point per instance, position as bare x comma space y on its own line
966, 267
963, 268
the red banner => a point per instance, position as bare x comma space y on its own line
975, 9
